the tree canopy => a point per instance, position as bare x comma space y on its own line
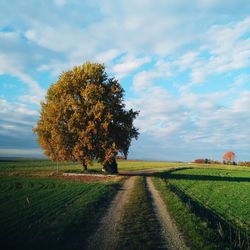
84, 118
229, 156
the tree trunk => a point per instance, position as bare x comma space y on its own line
110, 168
84, 167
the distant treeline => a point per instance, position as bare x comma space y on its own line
244, 163
206, 161
209, 161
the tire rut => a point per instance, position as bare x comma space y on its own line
170, 233
106, 235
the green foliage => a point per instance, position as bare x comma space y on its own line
84, 118
46, 213
139, 228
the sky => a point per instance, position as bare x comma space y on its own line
185, 65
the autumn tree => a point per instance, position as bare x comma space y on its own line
83, 118
229, 157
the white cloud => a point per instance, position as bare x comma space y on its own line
198, 121
128, 64
242, 103
241, 80
11, 66
222, 38
60, 3
107, 56
155, 23
160, 113
13, 62
228, 48
140, 28
146, 79
186, 60
30, 99
16, 122
17, 113
54, 38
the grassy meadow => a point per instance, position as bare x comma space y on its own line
212, 206
42, 210
49, 213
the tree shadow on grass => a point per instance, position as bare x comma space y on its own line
171, 175
150, 172
226, 234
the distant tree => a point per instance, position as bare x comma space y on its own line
244, 163
229, 157
199, 161
84, 118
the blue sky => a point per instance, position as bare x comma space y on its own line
184, 64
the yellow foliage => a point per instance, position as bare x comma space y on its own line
83, 117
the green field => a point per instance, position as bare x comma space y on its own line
40, 209
28, 167
47, 213
219, 197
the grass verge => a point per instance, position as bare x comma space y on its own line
219, 197
139, 228
198, 235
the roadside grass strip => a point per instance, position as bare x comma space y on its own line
220, 200
46, 213
196, 232
139, 228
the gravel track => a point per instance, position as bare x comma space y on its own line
173, 238
106, 235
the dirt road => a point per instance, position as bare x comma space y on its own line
173, 239
106, 235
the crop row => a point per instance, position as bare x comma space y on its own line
36, 212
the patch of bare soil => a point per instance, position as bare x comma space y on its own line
90, 177
106, 235
173, 238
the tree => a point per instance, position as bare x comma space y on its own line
84, 118
229, 157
